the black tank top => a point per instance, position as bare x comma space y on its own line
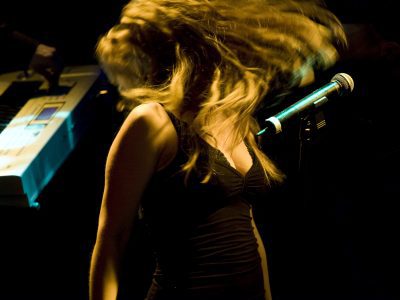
202, 233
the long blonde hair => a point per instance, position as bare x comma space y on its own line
207, 58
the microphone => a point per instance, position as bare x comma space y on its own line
340, 84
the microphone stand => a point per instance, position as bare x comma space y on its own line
310, 126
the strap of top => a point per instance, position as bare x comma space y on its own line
178, 125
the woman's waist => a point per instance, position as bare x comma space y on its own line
230, 248
219, 261
213, 280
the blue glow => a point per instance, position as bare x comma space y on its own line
19, 134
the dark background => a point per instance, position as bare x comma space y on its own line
331, 230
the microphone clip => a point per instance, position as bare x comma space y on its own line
273, 125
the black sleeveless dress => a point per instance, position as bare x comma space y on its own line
202, 233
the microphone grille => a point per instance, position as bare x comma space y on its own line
345, 81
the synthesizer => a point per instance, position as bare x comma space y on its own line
40, 128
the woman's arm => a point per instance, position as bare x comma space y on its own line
139, 148
263, 256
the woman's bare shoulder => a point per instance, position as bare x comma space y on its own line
149, 119
151, 113
157, 128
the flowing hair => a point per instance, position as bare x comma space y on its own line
207, 58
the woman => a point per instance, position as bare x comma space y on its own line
193, 73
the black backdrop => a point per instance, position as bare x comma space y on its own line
330, 231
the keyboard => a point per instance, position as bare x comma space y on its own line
40, 128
